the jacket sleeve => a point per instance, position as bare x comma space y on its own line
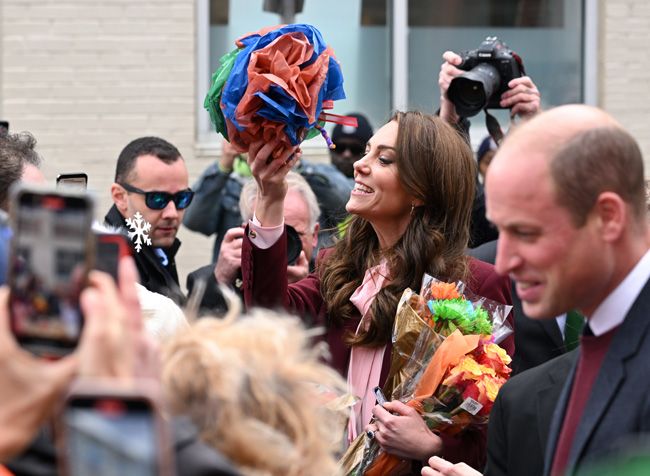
203, 214
264, 273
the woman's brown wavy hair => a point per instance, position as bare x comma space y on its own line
436, 166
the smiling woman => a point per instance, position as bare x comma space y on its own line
411, 208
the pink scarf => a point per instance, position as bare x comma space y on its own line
365, 364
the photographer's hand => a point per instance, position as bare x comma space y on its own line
229, 261
299, 270
523, 98
448, 71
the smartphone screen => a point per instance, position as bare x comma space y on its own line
107, 436
111, 247
72, 182
52, 251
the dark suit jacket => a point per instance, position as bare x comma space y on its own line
536, 340
265, 284
521, 417
618, 409
153, 275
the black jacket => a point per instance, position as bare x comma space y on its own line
521, 418
153, 275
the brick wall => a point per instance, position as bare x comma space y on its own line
624, 61
87, 76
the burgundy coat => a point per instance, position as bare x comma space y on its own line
265, 284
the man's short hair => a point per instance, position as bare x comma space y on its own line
596, 161
144, 146
15, 151
295, 181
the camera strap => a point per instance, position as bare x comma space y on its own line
493, 127
491, 122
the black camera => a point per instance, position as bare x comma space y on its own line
294, 245
489, 70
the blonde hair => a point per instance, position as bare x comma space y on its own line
253, 386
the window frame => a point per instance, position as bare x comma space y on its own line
399, 31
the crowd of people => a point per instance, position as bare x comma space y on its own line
555, 223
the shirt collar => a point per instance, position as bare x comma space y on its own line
612, 311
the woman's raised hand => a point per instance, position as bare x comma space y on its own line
270, 170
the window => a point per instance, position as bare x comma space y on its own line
391, 50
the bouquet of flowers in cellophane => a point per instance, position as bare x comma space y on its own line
446, 363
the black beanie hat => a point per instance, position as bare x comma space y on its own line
362, 133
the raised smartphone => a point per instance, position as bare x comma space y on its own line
52, 252
75, 182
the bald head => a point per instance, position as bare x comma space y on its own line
585, 152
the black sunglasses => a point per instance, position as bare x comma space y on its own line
159, 200
355, 149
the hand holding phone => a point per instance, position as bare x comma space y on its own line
111, 247
379, 395
52, 253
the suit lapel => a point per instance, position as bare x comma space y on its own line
625, 344
547, 397
558, 417
553, 330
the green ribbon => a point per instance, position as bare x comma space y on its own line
573, 329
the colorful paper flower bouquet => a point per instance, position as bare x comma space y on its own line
275, 85
446, 364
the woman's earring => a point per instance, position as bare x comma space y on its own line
412, 208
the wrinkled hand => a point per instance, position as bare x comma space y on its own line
440, 467
401, 431
114, 344
448, 71
523, 98
298, 270
30, 387
270, 171
229, 261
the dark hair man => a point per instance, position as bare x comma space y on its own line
151, 187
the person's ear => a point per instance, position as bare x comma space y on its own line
612, 214
119, 196
314, 237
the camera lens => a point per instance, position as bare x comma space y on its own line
294, 245
470, 92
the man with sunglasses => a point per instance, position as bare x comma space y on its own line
350, 144
151, 179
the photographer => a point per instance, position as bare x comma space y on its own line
523, 100
301, 213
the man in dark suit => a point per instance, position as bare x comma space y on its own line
519, 420
566, 192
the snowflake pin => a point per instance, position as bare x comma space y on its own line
140, 230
